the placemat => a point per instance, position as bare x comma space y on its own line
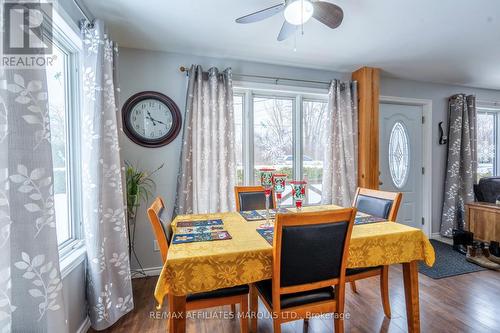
258, 215
200, 231
267, 233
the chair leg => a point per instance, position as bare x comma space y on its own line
276, 326
353, 287
338, 323
233, 309
254, 308
384, 291
244, 314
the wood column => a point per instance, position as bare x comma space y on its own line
368, 79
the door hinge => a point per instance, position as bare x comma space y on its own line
423, 170
423, 221
423, 119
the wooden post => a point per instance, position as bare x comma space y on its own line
368, 79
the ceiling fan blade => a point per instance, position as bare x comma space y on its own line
286, 31
327, 13
261, 14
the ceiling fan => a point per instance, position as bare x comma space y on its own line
298, 12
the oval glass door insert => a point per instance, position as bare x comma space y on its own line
399, 154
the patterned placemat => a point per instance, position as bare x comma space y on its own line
200, 231
258, 215
267, 233
362, 218
201, 237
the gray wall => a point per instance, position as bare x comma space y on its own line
439, 94
150, 70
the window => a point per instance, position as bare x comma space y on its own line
238, 131
487, 143
313, 140
284, 131
63, 98
399, 154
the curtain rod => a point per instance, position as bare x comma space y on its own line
488, 101
84, 11
276, 79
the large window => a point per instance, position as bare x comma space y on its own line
63, 101
487, 143
284, 131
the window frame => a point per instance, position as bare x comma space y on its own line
495, 111
70, 42
298, 94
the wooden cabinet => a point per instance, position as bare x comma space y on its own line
483, 219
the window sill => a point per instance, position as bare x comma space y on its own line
72, 260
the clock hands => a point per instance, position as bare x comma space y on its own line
151, 118
154, 120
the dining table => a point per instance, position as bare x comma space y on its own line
247, 258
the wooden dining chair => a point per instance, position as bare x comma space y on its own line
226, 296
309, 263
384, 205
252, 198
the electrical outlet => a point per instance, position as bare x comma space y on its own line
156, 247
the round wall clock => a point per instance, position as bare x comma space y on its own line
151, 119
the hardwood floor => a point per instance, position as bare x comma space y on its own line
464, 303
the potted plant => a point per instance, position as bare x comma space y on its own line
140, 187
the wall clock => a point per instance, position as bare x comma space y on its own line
151, 119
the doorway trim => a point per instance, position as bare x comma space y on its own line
426, 105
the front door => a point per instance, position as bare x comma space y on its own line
401, 165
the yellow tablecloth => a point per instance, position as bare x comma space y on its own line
247, 257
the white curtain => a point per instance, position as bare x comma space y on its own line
109, 289
340, 169
208, 161
31, 297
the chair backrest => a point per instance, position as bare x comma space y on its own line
252, 198
161, 226
310, 250
381, 204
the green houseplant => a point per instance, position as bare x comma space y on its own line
140, 187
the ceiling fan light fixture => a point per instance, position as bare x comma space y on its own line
298, 12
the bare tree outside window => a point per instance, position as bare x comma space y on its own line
273, 140
486, 144
314, 139
57, 87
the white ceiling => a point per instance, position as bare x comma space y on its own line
449, 41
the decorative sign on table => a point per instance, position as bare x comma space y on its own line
200, 231
257, 215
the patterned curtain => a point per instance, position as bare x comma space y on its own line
340, 170
461, 164
109, 289
30, 282
208, 162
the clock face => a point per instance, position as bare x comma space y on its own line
151, 119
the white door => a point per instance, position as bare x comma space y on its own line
401, 162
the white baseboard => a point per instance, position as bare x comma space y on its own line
84, 327
150, 271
